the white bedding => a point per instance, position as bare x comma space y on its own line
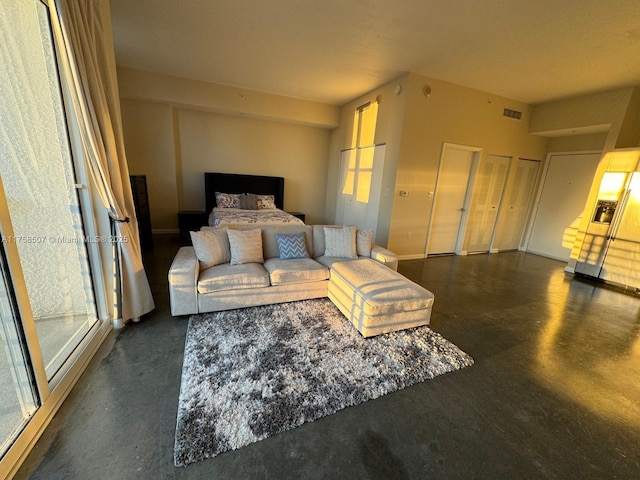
231, 217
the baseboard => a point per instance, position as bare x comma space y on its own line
164, 231
494, 250
411, 257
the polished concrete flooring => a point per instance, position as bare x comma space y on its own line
554, 392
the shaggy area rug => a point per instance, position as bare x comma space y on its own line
255, 372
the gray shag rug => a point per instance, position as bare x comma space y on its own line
251, 373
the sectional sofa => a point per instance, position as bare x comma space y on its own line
242, 267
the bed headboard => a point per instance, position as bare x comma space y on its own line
237, 183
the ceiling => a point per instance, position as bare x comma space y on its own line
333, 51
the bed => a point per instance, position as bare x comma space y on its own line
238, 200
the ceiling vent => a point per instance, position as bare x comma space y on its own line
516, 115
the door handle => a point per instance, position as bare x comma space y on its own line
462, 209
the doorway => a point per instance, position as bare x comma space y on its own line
458, 164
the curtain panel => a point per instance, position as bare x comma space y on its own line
88, 67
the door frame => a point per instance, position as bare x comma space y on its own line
475, 161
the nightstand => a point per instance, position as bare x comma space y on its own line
190, 221
299, 215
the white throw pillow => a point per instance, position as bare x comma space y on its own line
340, 242
211, 247
246, 246
364, 239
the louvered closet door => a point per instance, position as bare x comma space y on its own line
516, 205
486, 202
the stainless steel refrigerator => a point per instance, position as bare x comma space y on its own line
611, 245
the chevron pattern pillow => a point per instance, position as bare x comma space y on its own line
292, 245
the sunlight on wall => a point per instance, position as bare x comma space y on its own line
359, 168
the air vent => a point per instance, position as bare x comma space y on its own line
516, 115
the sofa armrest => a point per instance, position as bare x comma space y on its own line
384, 256
183, 282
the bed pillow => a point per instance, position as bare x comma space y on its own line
228, 200
265, 202
246, 246
292, 245
249, 201
340, 242
211, 247
364, 239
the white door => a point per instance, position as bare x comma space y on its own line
513, 215
487, 194
450, 199
562, 202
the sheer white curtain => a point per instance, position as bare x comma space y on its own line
89, 69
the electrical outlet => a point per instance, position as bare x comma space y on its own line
429, 194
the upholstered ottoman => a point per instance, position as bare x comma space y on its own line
377, 299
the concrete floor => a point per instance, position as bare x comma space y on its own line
554, 392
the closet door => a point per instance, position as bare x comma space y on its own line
513, 216
450, 200
486, 202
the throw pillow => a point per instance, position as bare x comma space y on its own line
246, 246
292, 246
228, 200
211, 247
364, 238
249, 201
266, 202
340, 242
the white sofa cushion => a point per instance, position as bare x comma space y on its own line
232, 277
299, 270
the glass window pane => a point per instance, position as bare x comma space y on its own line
17, 398
39, 181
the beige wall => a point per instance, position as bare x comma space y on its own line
176, 129
225, 143
577, 143
451, 114
148, 136
602, 111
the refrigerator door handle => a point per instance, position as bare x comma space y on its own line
617, 217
